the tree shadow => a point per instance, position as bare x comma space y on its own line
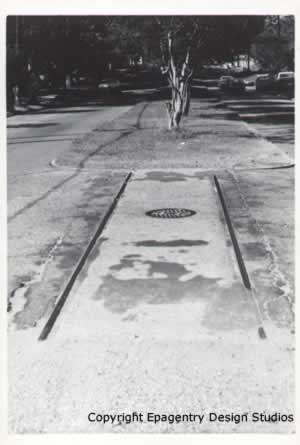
32, 125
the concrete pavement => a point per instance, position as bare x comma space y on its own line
159, 319
271, 118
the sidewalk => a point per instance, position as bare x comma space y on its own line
159, 319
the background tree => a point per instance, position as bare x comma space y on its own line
182, 44
274, 47
60, 46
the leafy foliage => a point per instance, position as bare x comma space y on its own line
274, 47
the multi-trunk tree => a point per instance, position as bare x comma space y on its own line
179, 78
186, 43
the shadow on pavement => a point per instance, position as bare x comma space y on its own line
32, 125
94, 97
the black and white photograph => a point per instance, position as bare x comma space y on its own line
150, 223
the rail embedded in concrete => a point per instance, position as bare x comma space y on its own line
65, 293
237, 251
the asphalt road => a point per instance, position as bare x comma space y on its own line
34, 140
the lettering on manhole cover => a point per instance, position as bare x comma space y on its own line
170, 213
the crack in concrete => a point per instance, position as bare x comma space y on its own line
276, 274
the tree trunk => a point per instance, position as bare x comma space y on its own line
187, 100
179, 81
248, 60
16, 96
67, 81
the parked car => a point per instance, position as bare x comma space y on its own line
270, 82
249, 83
44, 81
81, 80
225, 81
285, 75
265, 82
232, 84
285, 80
238, 85
110, 85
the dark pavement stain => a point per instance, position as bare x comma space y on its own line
122, 295
246, 226
96, 249
163, 177
124, 264
96, 194
95, 252
255, 250
255, 203
227, 307
91, 219
69, 256
40, 299
172, 243
130, 317
32, 125
231, 308
172, 270
22, 279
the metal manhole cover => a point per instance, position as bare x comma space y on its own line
170, 213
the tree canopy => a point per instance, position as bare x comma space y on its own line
274, 47
89, 43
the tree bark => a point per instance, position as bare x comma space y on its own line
187, 100
179, 81
67, 81
16, 96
